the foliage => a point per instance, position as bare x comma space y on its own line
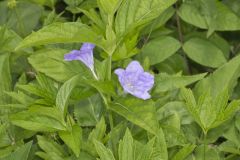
53, 109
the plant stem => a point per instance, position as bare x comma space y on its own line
181, 39
109, 77
204, 145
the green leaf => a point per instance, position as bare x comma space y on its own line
165, 82
210, 112
72, 138
160, 147
68, 32
159, 22
64, 94
225, 19
109, 6
89, 111
126, 147
159, 49
191, 105
9, 39
21, 152
49, 146
35, 122
139, 112
23, 18
52, 112
103, 152
97, 134
204, 52
224, 77
173, 65
135, 13
184, 152
5, 78
67, 88
51, 62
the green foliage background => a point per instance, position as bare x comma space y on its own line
52, 109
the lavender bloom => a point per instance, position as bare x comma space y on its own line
85, 55
135, 81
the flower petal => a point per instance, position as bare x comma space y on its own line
134, 66
73, 55
119, 71
145, 80
140, 94
87, 46
87, 58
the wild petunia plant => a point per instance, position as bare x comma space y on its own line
122, 95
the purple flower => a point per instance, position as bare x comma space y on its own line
85, 55
135, 81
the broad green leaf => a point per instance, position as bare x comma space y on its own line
173, 136
72, 138
225, 20
191, 105
67, 88
50, 155
5, 140
51, 62
210, 112
184, 152
156, 24
126, 147
103, 152
64, 94
109, 6
68, 32
97, 134
36, 122
20, 97
224, 77
38, 91
204, 52
165, 82
159, 49
135, 13
160, 147
94, 16
5, 78
173, 65
234, 5
229, 147
49, 146
21, 152
114, 137
232, 135
73, 3
23, 18
52, 112
139, 112
9, 39
143, 151
5, 152
211, 153
49, 3
89, 111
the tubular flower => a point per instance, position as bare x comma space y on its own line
135, 81
85, 55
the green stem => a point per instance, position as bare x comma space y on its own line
204, 145
181, 39
109, 77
